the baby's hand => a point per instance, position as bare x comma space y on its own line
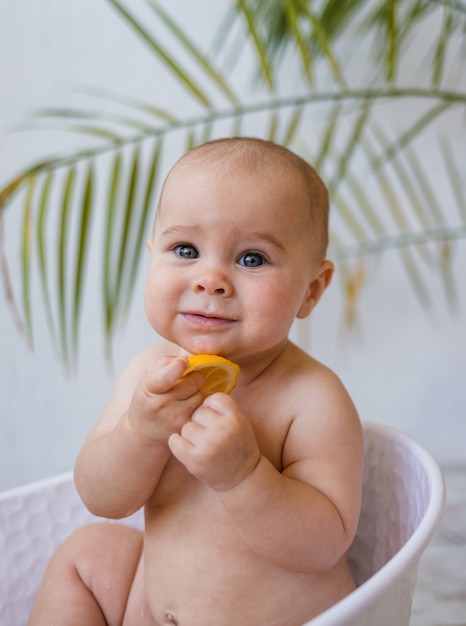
218, 445
164, 400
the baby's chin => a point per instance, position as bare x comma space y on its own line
188, 346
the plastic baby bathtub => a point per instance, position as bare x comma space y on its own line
403, 501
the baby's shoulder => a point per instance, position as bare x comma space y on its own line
299, 370
324, 420
312, 389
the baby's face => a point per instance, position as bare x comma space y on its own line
231, 262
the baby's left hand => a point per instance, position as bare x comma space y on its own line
218, 445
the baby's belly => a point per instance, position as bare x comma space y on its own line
198, 571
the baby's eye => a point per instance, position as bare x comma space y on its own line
252, 259
186, 251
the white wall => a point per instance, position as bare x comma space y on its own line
402, 365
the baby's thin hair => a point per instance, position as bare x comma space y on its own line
257, 158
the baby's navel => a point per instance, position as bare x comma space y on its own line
170, 618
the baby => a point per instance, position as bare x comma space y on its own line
251, 499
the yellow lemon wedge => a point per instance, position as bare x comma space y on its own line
220, 375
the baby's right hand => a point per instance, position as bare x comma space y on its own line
164, 400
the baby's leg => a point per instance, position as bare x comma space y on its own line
89, 578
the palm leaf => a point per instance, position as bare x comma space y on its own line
109, 235
84, 232
146, 211
237, 113
415, 201
418, 175
194, 52
26, 257
207, 130
323, 43
96, 116
123, 248
166, 58
292, 126
236, 125
11, 188
351, 145
270, 28
62, 261
259, 45
42, 215
341, 252
394, 205
302, 47
447, 270
413, 131
224, 30
349, 218
133, 103
389, 36
441, 48
336, 16
365, 205
445, 256
392, 36
272, 126
328, 136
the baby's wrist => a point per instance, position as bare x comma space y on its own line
238, 484
143, 437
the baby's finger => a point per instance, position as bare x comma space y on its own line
179, 447
165, 373
205, 416
219, 403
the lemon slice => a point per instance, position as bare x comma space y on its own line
220, 374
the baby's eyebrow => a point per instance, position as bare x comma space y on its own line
267, 238
252, 238
179, 230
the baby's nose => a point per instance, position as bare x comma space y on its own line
212, 282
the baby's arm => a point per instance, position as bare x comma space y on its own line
121, 461
304, 518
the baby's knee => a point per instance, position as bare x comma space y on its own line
91, 549
104, 557
99, 558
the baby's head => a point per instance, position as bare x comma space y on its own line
238, 248
260, 160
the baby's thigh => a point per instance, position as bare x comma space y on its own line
106, 556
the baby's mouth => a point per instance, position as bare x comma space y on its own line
207, 320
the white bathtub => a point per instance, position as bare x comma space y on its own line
403, 501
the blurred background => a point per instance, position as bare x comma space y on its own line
99, 98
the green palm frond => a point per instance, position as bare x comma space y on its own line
165, 57
63, 245
43, 208
147, 108
26, 256
335, 128
410, 135
81, 254
194, 52
259, 44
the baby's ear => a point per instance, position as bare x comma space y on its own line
149, 244
320, 281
